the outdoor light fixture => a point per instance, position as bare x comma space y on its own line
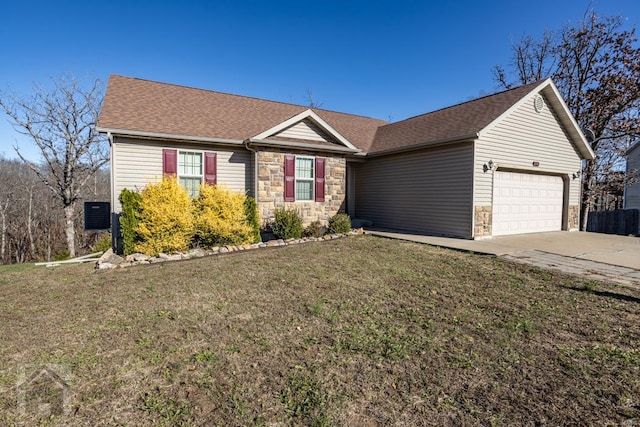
576, 175
488, 166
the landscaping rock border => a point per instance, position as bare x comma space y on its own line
110, 260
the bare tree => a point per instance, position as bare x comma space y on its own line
532, 60
311, 102
596, 66
61, 123
5, 203
32, 219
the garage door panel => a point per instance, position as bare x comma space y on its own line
526, 203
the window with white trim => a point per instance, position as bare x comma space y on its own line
190, 171
304, 178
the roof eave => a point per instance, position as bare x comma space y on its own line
428, 144
569, 121
302, 146
167, 136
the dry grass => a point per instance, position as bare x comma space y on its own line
358, 331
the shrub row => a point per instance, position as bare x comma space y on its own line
163, 218
287, 224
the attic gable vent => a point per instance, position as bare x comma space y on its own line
538, 103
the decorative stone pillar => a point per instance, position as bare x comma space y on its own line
483, 221
573, 222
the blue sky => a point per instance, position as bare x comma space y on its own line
384, 59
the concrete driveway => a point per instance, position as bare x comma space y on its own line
600, 256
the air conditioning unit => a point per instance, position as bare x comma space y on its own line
97, 216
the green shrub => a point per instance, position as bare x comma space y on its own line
339, 224
129, 219
253, 218
103, 244
166, 219
315, 229
220, 217
287, 224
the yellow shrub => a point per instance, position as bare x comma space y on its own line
220, 217
166, 218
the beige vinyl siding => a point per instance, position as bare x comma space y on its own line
138, 162
306, 130
632, 191
428, 191
522, 138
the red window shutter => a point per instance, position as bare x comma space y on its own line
169, 162
289, 178
319, 184
211, 168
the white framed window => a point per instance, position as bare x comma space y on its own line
304, 178
190, 171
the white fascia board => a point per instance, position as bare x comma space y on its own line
570, 122
307, 114
550, 90
168, 136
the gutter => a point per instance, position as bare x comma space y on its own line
468, 137
168, 136
112, 180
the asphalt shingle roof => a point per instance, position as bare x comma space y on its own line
132, 104
146, 106
448, 123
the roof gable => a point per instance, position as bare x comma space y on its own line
554, 101
306, 130
306, 126
471, 119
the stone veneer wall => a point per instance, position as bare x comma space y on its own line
483, 221
270, 194
574, 217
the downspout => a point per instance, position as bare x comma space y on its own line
116, 239
255, 168
112, 171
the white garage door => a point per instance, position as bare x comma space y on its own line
526, 203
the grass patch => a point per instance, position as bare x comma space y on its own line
166, 411
357, 331
303, 397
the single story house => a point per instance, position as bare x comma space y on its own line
505, 163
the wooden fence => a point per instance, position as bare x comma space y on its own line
622, 221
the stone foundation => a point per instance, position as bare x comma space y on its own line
270, 194
483, 221
574, 217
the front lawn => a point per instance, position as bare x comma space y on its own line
356, 331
